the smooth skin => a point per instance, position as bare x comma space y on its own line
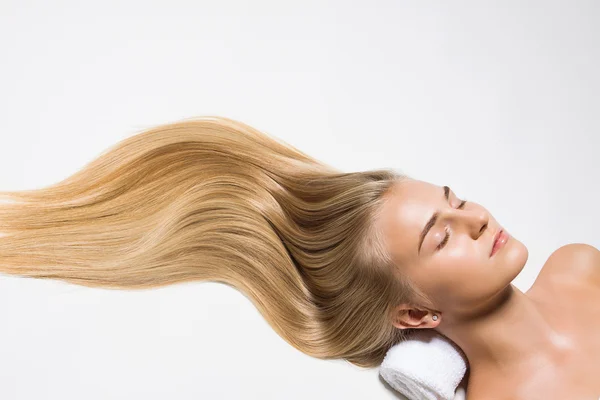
541, 344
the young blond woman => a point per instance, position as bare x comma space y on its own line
338, 263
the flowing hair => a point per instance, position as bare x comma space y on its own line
212, 199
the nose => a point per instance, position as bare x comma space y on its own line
472, 221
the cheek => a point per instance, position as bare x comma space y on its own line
461, 281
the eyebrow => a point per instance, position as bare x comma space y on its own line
432, 220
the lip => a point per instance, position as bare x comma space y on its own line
502, 238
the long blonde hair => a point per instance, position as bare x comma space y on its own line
211, 198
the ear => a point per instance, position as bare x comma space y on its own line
407, 316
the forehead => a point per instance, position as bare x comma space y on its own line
410, 205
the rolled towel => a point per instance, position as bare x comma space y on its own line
425, 366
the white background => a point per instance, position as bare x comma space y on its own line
499, 100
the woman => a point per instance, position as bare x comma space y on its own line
332, 260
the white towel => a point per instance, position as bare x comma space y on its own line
426, 366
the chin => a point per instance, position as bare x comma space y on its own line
515, 257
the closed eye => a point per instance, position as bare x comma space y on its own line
443, 243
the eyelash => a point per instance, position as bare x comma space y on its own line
443, 243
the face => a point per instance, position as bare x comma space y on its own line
452, 265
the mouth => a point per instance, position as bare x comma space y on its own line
496, 243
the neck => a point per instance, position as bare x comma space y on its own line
507, 332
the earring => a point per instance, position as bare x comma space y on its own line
435, 317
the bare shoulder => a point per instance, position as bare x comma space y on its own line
574, 265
